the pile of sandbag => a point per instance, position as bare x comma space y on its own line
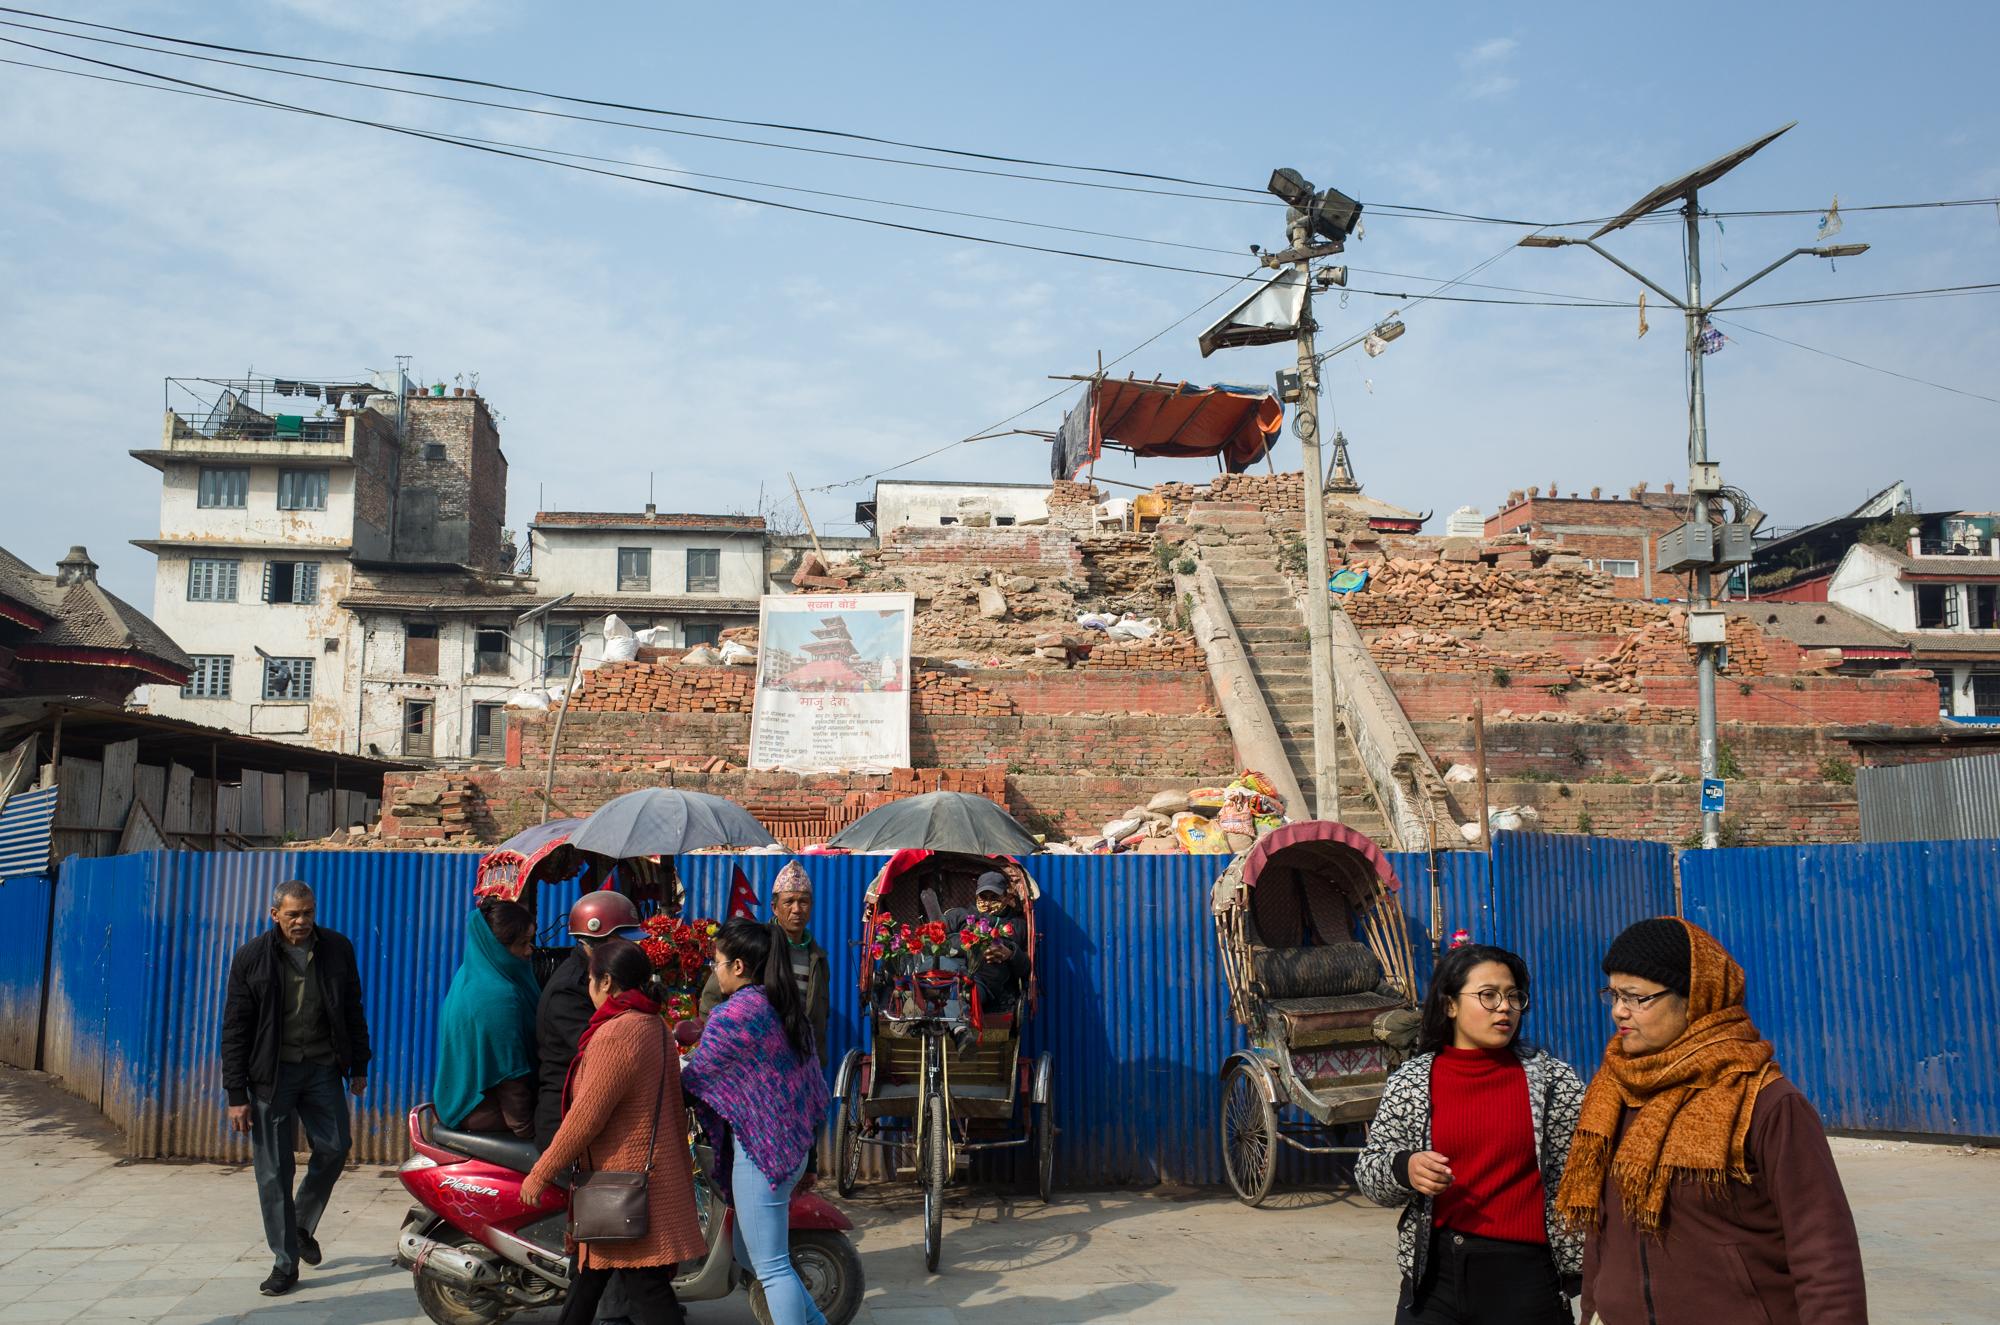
1213, 820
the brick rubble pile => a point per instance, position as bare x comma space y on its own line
1409, 591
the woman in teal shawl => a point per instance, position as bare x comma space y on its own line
486, 1035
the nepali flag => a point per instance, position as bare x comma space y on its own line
742, 897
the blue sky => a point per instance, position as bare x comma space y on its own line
621, 329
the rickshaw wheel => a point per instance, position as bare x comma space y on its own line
1249, 1136
933, 1164
847, 1151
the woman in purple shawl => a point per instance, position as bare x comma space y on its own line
755, 1078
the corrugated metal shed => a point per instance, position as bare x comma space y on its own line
1873, 969
1928, 802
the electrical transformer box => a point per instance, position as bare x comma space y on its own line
1689, 547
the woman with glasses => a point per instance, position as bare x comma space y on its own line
1470, 1139
1702, 1176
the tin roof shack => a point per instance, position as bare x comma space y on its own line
66, 635
136, 782
1617, 535
1941, 591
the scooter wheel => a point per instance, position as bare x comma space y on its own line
830, 1268
450, 1306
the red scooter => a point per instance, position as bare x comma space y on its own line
479, 1255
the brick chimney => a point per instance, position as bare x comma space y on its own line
76, 568
1667, 488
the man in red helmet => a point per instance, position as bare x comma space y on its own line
565, 1007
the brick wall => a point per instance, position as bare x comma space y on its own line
1759, 814
451, 509
1837, 701
1580, 751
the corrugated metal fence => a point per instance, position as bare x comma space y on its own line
1936, 801
1134, 1012
1874, 969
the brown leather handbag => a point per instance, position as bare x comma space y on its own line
617, 1207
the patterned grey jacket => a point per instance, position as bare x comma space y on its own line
1403, 1123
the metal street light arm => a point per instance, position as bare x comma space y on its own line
1591, 244
1738, 288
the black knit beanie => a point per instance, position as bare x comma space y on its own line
1655, 950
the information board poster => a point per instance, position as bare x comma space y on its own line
833, 683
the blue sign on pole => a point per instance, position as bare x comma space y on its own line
1711, 795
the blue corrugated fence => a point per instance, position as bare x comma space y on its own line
1870, 967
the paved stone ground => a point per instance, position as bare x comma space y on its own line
88, 1237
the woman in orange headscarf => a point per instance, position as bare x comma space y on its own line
1701, 1175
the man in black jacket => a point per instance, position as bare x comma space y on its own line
565, 1008
292, 1029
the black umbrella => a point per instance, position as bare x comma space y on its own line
939, 821
661, 821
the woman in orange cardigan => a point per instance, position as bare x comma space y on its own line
613, 1089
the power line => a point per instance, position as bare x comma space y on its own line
992, 429
1255, 196
1873, 368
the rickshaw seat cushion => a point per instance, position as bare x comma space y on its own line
1310, 1022
1327, 971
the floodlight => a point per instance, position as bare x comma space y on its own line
1391, 329
1290, 185
1330, 276
1840, 251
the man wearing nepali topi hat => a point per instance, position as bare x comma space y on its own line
791, 911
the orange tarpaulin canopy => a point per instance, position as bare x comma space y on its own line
1175, 419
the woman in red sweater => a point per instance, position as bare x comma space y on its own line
1470, 1139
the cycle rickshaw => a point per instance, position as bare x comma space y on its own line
1328, 1013
917, 1088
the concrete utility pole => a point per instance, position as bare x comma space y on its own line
1319, 612
1695, 544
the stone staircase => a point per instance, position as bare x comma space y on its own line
1240, 550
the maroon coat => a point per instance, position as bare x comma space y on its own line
1779, 1249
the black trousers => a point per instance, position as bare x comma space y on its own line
649, 1295
1470, 1280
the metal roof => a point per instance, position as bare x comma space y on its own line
88, 727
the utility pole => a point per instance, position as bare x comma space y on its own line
1319, 611
1704, 661
1696, 546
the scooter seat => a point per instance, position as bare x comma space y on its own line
502, 1148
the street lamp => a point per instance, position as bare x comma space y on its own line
1704, 478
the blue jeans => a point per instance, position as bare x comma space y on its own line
315, 1096
763, 1240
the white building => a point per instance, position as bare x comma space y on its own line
909, 503
1942, 593
270, 521
691, 576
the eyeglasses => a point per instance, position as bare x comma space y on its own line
1611, 998
1493, 1000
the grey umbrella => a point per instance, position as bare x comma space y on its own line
663, 821
939, 821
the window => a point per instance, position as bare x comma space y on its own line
1944, 685
489, 731
225, 489
1620, 570
704, 570
420, 648
210, 677
1985, 606
433, 450
291, 581
211, 580
1937, 606
419, 727
302, 489
288, 678
559, 648
1003, 521
692, 634
635, 570
1986, 694
489, 650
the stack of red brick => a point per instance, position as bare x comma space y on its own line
1410, 591
1409, 649
1168, 651
940, 693
645, 687
1661, 649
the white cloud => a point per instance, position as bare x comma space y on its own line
1485, 69
398, 19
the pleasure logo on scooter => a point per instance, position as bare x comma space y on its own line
461, 1185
